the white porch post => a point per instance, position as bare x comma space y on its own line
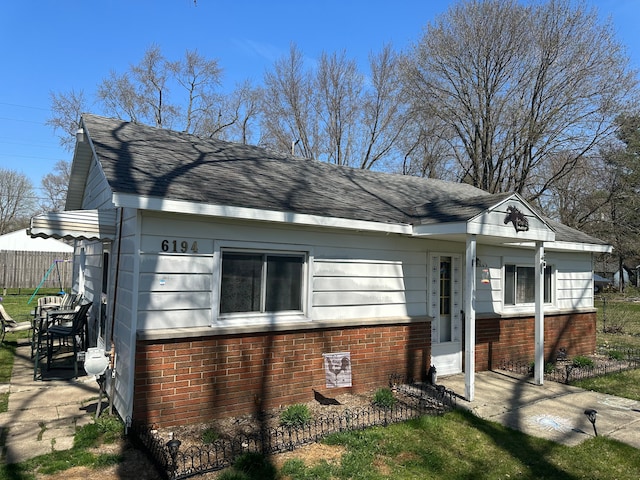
539, 323
470, 320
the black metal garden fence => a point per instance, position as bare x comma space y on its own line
566, 370
172, 462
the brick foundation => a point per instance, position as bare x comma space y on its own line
198, 379
513, 338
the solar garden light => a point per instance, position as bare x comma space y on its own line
591, 415
174, 445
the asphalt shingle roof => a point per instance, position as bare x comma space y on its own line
154, 162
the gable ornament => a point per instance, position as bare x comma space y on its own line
515, 216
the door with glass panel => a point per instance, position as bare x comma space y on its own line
446, 308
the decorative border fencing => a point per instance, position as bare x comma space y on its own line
565, 371
175, 464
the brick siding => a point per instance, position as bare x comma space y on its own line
199, 379
513, 338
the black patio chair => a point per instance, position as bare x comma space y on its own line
74, 335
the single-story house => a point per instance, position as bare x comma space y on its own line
234, 279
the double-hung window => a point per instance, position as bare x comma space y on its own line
261, 282
520, 284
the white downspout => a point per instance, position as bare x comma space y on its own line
470, 320
539, 322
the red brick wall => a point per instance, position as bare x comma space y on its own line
198, 379
513, 338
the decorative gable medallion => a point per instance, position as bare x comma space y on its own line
515, 216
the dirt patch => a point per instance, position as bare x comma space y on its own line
251, 424
311, 454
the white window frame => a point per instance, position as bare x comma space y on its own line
252, 318
528, 305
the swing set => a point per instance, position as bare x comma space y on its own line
46, 275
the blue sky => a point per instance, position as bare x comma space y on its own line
55, 46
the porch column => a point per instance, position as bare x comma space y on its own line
470, 319
539, 323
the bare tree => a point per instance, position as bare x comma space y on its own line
289, 114
17, 200
199, 77
151, 75
178, 94
518, 85
119, 97
425, 150
384, 113
54, 186
338, 88
67, 108
332, 113
236, 117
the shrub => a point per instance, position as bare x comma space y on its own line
255, 466
549, 368
616, 355
582, 362
233, 475
209, 435
384, 398
295, 416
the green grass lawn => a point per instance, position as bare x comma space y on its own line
18, 306
623, 384
457, 445
622, 314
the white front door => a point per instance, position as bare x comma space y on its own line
446, 307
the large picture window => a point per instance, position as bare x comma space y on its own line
261, 282
520, 285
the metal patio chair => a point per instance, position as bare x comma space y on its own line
73, 335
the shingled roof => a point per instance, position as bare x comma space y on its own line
153, 162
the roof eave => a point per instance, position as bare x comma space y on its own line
244, 213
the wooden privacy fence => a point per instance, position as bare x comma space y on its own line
21, 269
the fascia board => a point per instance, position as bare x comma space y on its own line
468, 228
578, 247
565, 246
453, 228
505, 231
243, 213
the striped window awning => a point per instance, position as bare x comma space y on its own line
75, 225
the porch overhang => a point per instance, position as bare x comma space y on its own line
510, 220
98, 225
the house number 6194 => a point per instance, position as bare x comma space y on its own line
179, 246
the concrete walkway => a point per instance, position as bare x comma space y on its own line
553, 411
43, 414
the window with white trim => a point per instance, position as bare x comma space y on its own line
520, 284
261, 282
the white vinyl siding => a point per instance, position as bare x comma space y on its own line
372, 286
574, 280
98, 194
571, 284
343, 280
124, 320
174, 289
